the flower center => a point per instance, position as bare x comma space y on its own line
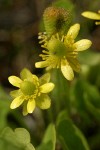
27, 87
56, 47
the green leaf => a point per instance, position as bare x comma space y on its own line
22, 135
93, 94
94, 74
89, 58
90, 99
91, 108
62, 116
15, 140
49, 139
85, 102
70, 136
29, 147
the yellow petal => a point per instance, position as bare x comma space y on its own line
82, 45
97, 23
44, 79
35, 78
26, 74
73, 31
66, 70
46, 88
91, 15
15, 81
41, 64
16, 102
31, 105
48, 68
43, 101
15, 93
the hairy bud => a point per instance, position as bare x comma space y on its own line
56, 20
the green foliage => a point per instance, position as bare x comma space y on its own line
70, 136
89, 58
49, 139
86, 98
15, 140
92, 101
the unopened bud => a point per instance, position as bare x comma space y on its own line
56, 20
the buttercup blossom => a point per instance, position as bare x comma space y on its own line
92, 15
61, 51
32, 91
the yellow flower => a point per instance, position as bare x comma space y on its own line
61, 51
92, 15
32, 91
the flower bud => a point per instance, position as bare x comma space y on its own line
56, 20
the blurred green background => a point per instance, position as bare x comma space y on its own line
20, 22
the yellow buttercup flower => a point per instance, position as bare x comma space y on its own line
32, 91
92, 15
61, 51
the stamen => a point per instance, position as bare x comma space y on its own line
45, 52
